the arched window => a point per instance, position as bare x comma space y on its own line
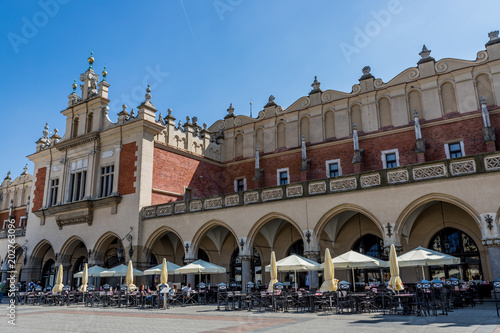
297, 248
370, 245
448, 97
304, 129
281, 135
483, 84
329, 125
259, 139
48, 271
458, 244
238, 146
90, 119
384, 112
75, 127
356, 117
415, 103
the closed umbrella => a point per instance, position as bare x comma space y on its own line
129, 279
395, 282
85, 278
274, 273
58, 287
330, 283
164, 272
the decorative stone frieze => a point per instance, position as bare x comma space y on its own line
343, 184
428, 172
317, 188
180, 208
213, 203
195, 205
492, 162
164, 210
272, 194
251, 197
232, 200
294, 191
462, 167
370, 180
400, 176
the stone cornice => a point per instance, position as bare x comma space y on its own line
80, 140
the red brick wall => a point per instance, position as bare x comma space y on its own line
39, 189
172, 172
18, 213
128, 167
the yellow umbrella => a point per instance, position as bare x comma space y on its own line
274, 272
129, 279
395, 282
330, 283
59, 281
164, 272
85, 278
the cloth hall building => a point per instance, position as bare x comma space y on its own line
413, 161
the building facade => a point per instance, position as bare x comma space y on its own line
411, 162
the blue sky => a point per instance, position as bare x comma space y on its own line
199, 56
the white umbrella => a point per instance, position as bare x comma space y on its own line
295, 263
426, 257
120, 270
200, 266
92, 272
171, 267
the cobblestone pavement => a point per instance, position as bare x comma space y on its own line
206, 318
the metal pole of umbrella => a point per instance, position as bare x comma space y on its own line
423, 273
353, 280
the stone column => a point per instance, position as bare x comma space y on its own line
313, 275
356, 160
246, 271
494, 252
190, 278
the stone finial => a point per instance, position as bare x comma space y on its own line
230, 110
366, 73
132, 114
270, 102
425, 53
493, 35
74, 86
124, 108
271, 99
205, 126
25, 170
104, 74
148, 94
160, 118
8, 176
169, 111
91, 59
315, 85
46, 130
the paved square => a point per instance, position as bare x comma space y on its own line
206, 318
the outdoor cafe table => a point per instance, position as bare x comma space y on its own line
403, 302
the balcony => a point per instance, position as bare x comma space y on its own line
415, 173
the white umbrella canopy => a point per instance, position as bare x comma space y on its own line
171, 267
353, 259
120, 270
295, 263
426, 257
201, 267
92, 272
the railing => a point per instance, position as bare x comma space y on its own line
429, 171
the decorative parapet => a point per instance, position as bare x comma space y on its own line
213, 203
429, 172
232, 200
18, 232
462, 167
492, 163
195, 205
294, 191
251, 197
370, 180
317, 187
399, 176
272, 194
343, 184
459, 167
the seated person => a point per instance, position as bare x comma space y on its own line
186, 290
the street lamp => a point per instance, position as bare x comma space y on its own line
131, 250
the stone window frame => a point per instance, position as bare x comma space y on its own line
50, 200
327, 165
384, 153
278, 173
236, 184
447, 148
101, 179
83, 168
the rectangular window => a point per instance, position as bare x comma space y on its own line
455, 150
240, 185
390, 158
282, 175
77, 182
54, 190
107, 173
333, 169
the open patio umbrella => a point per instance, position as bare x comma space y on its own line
330, 283
200, 267
129, 279
421, 256
120, 271
164, 272
91, 272
295, 263
85, 278
395, 282
156, 270
274, 273
58, 287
